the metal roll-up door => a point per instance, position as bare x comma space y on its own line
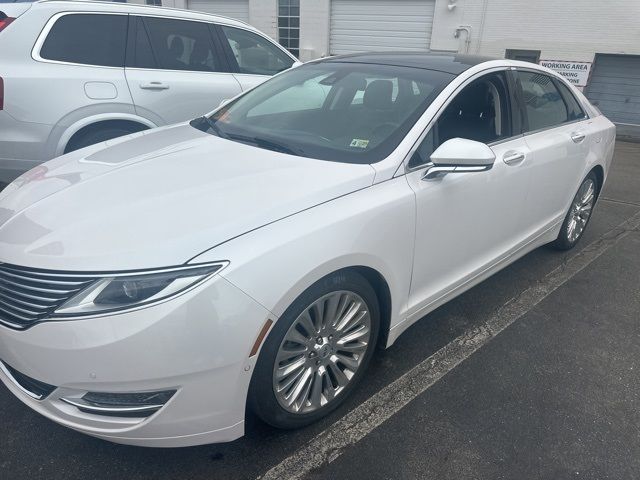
614, 88
365, 25
238, 9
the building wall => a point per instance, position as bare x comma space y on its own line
314, 29
263, 14
565, 30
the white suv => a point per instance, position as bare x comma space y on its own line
77, 73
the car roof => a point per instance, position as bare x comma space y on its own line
133, 8
452, 63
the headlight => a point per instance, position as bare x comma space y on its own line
131, 290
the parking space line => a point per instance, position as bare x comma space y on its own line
355, 425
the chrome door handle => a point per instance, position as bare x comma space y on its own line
512, 158
154, 86
577, 137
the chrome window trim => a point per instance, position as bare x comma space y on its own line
434, 119
560, 78
533, 132
42, 36
35, 51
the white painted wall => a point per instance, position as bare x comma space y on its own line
263, 14
563, 30
314, 29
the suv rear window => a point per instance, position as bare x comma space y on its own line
90, 39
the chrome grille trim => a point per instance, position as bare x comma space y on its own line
29, 295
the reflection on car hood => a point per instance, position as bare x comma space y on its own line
157, 198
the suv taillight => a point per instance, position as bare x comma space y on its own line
5, 21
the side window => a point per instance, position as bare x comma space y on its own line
255, 54
90, 39
182, 45
480, 112
575, 110
543, 104
139, 53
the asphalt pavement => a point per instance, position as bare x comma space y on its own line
552, 394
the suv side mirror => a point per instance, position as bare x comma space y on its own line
460, 155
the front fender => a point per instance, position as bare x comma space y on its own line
373, 227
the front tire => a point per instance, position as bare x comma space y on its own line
317, 352
579, 214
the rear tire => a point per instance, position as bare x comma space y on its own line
303, 375
579, 214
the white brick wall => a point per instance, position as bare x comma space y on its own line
563, 30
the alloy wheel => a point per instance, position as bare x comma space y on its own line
581, 210
321, 352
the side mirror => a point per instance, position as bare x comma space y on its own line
460, 155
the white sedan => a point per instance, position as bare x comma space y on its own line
154, 286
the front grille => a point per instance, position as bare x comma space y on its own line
29, 295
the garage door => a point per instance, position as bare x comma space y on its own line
238, 9
614, 88
361, 25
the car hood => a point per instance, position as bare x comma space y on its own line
158, 198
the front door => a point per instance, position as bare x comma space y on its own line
467, 222
176, 69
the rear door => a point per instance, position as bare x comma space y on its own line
252, 57
77, 68
176, 69
559, 134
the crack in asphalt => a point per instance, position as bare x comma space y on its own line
328, 445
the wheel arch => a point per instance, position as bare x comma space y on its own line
94, 121
598, 170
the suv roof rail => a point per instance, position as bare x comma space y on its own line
151, 7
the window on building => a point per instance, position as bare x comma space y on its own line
289, 25
156, 3
90, 39
532, 56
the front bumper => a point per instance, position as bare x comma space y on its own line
197, 344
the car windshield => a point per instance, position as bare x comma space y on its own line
345, 112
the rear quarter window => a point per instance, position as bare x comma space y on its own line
89, 39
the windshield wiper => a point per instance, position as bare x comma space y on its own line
266, 144
209, 124
206, 124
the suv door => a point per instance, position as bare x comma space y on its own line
175, 69
467, 222
79, 72
558, 132
252, 57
